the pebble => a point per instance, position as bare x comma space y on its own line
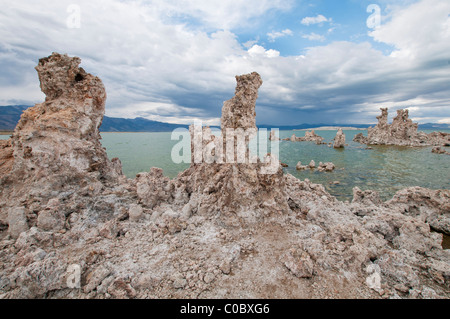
209, 277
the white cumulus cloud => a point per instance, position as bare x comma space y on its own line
157, 63
315, 20
275, 35
314, 37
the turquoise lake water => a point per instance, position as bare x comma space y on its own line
385, 169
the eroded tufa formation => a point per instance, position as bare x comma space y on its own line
241, 192
309, 137
339, 140
56, 144
73, 227
401, 132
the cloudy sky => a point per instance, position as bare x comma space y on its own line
322, 61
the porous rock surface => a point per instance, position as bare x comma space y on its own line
402, 132
339, 140
77, 228
309, 137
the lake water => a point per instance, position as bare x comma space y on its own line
385, 169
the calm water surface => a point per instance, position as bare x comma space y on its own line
385, 169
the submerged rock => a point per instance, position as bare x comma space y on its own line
301, 167
17, 220
439, 150
326, 167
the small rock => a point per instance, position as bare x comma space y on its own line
120, 289
109, 230
401, 288
179, 283
53, 203
299, 263
428, 293
17, 220
225, 267
135, 212
51, 220
147, 281
103, 288
95, 278
209, 277
186, 212
300, 167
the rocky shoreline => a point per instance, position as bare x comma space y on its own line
73, 226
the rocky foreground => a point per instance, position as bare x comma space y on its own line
73, 226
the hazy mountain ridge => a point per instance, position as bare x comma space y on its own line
10, 115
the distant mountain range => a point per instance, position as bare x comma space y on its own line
111, 124
10, 115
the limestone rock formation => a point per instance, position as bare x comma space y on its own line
326, 167
6, 157
273, 136
439, 150
301, 167
77, 229
56, 144
401, 132
239, 112
360, 138
432, 206
242, 191
322, 167
309, 137
339, 140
